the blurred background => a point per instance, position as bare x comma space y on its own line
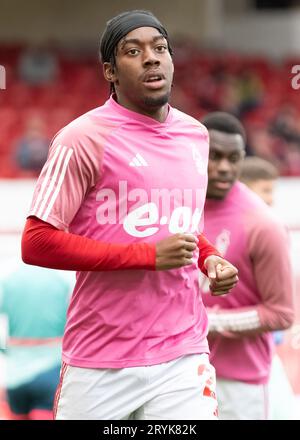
239, 56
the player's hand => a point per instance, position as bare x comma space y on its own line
223, 276
175, 251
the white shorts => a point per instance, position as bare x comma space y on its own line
182, 389
242, 401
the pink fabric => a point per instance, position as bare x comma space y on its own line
243, 229
117, 176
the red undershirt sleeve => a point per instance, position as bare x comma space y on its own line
44, 245
205, 250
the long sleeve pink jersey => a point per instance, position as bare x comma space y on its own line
120, 177
244, 230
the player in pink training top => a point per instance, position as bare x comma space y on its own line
244, 230
124, 188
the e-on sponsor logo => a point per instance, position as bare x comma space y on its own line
142, 213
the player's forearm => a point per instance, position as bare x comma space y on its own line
249, 321
242, 321
269, 252
205, 250
276, 316
44, 245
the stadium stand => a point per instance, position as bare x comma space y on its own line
253, 88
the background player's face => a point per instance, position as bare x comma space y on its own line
144, 70
226, 152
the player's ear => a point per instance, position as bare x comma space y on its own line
109, 72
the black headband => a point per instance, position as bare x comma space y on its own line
121, 25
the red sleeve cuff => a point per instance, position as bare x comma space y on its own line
205, 250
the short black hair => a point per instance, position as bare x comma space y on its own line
224, 122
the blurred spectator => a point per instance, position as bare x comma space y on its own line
34, 301
229, 99
286, 124
253, 89
264, 144
285, 129
250, 90
292, 160
38, 66
32, 148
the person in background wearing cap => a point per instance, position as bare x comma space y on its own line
120, 201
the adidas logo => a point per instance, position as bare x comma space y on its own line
138, 161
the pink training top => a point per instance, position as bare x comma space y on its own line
243, 229
117, 176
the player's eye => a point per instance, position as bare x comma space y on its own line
133, 51
214, 155
161, 48
235, 157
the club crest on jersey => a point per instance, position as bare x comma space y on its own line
200, 163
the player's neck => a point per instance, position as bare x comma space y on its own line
158, 113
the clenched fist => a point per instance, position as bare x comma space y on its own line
175, 251
223, 276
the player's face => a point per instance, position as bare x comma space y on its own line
144, 70
226, 152
264, 188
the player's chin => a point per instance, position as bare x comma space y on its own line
216, 193
157, 98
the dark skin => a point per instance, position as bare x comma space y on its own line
226, 153
141, 56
